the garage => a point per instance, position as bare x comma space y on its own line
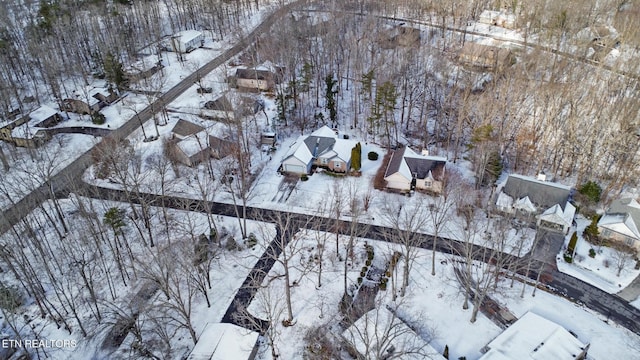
293, 168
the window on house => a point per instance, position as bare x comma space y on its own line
630, 241
324, 161
337, 164
606, 232
428, 183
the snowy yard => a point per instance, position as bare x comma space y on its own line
434, 302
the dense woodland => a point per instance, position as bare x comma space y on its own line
568, 116
531, 117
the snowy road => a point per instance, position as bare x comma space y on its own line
610, 306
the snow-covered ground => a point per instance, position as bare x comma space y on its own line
435, 302
601, 270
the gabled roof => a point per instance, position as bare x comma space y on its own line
186, 128
254, 74
504, 200
406, 162
221, 103
623, 216
534, 337
321, 143
220, 341
543, 194
318, 145
525, 204
187, 35
324, 131
300, 151
42, 113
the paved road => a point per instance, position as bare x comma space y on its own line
68, 176
610, 306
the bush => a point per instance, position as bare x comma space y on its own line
356, 157
368, 262
591, 190
97, 118
304, 177
251, 240
572, 243
360, 280
231, 244
383, 285
591, 232
372, 155
568, 258
592, 253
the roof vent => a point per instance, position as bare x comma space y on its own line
425, 152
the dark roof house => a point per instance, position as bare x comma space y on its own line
543, 194
408, 170
184, 128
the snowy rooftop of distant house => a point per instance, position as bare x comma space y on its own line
379, 332
187, 35
407, 162
623, 216
42, 113
29, 129
224, 342
544, 194
534, 337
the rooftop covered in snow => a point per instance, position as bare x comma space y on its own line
534, 337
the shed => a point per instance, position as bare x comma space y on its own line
187, 41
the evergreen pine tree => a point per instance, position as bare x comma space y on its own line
356, 157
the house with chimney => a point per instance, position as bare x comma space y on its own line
535, 198
408, 171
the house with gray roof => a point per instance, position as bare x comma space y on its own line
548, 201
219, 109
322, 148
184, 128
255, 80
621, 223
408, 171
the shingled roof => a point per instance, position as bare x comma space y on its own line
543, 194
185, 128
221, 103
254, 74
408, 163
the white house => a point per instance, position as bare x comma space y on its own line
408, 170
322, 148
255, 80
220, 341
621, 223
186, 41
536, 338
